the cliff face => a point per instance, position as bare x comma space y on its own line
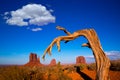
80, 59
33, 60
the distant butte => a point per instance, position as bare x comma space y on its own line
80, 59
53, 62
33, 60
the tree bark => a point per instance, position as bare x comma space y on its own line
102, 61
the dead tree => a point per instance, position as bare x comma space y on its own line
102, 61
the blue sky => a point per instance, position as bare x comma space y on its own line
30, 25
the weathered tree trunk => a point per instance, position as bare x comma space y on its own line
102, 61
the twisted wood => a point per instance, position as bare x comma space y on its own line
102, 61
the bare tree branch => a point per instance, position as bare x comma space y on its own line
102, 61
63, 29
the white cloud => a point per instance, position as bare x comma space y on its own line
6, 17
112, 52
91, 56
113, 55
51, 10
36, 29
31, 14
6, 13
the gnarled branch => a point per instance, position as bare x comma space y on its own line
102, 61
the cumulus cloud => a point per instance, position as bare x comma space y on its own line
36, 29
31, 14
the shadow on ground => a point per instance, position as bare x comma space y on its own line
83, 75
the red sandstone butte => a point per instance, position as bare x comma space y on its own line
80, 59
53, 62
33, 60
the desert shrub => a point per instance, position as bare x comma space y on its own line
61, 76
82, 66
36, 73
17, 73
59, 64
91, 66
32, 73
70, 69
57, 73
13, 73
115, 65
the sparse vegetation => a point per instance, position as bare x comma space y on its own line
115, 65
58, 72
20, 73
82, 66
91, 66
32, 73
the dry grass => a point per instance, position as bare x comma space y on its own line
32, 73
58, 72
115, 65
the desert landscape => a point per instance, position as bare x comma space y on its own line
34, 70
81, 37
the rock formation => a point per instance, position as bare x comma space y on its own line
53, 62
80, 59
33, 60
